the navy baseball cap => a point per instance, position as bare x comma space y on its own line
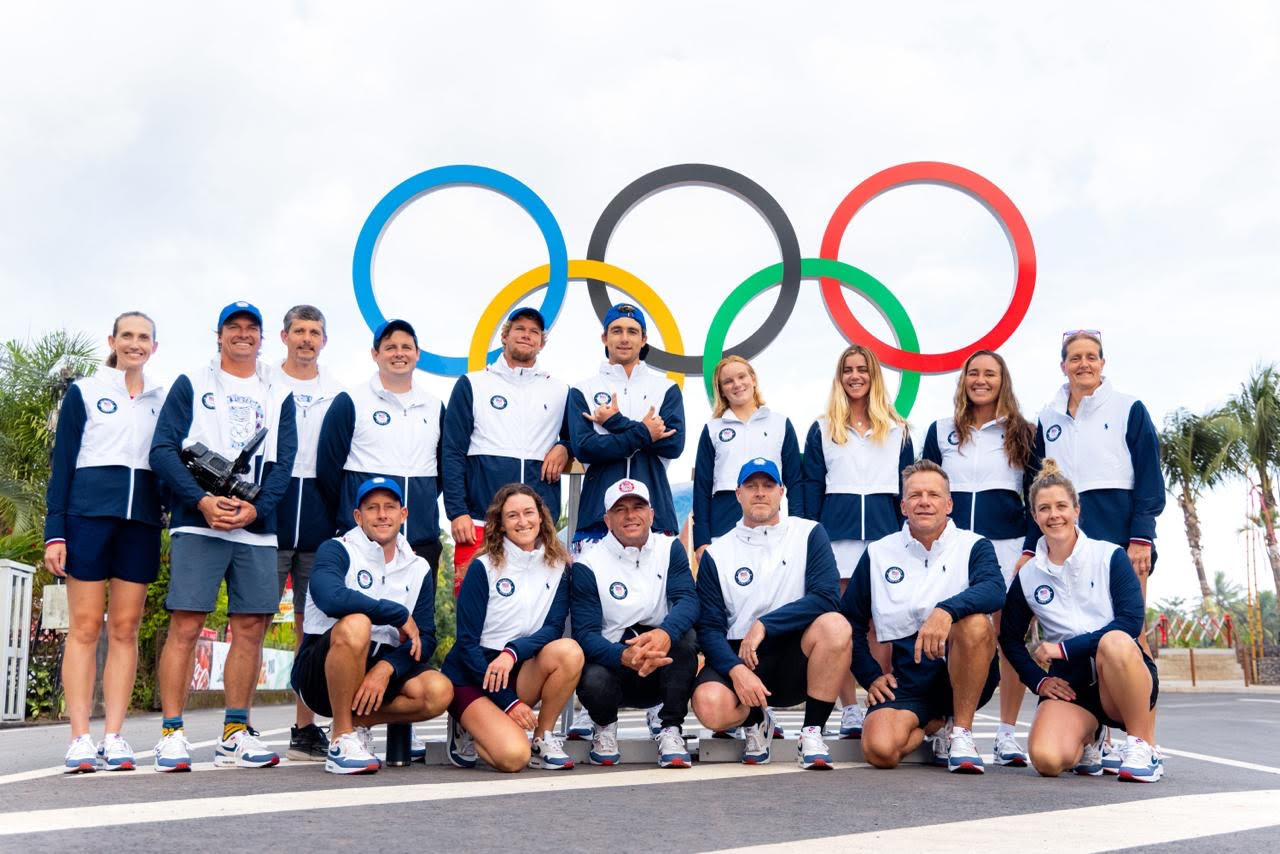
626, 309
239, 307
386, 327
375, 483
759, 465
530, 312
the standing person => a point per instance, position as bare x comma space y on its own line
984, 448
627, 421
305, 520
634, 607
929, 589
515, 434
741, 428
102, 528
853, 458
510, 653
1085, 594
768, 623
389, 427
371, 632
222, 406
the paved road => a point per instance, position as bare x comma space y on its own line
1221, 792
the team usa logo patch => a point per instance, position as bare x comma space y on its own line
1053, 432
618, 590
894, 574
952, 438
207, 400
365, 579
498, 402
626, 486
727, 434
602, 397
743, 576
106, 405
381, 418
1044, 594
505, 587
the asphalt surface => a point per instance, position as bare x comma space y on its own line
638, 807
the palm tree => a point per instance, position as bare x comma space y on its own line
1256, 409
1195, 452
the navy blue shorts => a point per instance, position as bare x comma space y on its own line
1082, 675
104, 547
783, 668
925, 688
309, 681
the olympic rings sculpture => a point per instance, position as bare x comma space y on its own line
831, 273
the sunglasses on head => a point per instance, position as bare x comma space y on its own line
1096, 333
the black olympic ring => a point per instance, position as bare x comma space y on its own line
746, 189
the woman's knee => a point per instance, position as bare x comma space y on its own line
714, 708
85, 631
563, 654
510, 755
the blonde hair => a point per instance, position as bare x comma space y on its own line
1051, 475
553, 550
881, 412
718, 403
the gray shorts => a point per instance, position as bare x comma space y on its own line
298, 564
198, 564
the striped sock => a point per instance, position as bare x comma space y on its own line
234, 721
169, 726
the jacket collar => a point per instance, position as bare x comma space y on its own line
114, 377
328, 386
618, 551
416, 397
762, 534
1090, 403
373, 553
912, 545
263, 371
517, 558
1072, 561
501, 368
617, 372
761, 413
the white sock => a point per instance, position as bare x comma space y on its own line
956, 728
1004, 729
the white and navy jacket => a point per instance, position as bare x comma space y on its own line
783, 575
1094, 592
304, 520
898, 583
1111, 452
100, 450
621, 447
853, 489
517, 608
616, 588
985, 488
727, 443
351, 576
184, 422
499, 426
368, 433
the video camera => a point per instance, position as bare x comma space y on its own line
217, 475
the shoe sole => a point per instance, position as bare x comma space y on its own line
756, 761
966, 768
577, 736
605, 762
126, 765
232, 762
1016, 762
461, 763
675, 763
546, 766
304, 756
1130, 777
852, 736
816, 764
181, 766
82, 768
330, 768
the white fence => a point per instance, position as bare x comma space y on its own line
15, 634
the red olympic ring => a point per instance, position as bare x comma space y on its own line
982, 191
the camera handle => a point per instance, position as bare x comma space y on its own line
241, 465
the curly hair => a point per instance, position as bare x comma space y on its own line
554, 551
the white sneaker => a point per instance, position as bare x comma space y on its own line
348, 755
547, 752
115, 753
244, 750
1140, 764
1008, 752
671, 750
757, 750
365, 734
653, 719
82, 755
417, 747
942, 744
462, 747
811, 750
1090, 764
851, 717
173, 752
604, 745
581, 728
963, 756
1112, 756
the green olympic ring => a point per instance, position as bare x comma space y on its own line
811, 268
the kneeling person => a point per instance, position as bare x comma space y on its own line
930, 588
768, 593
633, 605
370, 631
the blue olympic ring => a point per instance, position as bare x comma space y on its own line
424, 182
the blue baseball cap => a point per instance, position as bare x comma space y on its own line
239, 307
530, 312
386, 327
759, 465
375, 483
626, 309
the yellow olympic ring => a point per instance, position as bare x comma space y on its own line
535, 279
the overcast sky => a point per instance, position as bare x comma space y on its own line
173, 157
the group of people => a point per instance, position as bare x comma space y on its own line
900, 574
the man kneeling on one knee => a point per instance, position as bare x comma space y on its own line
633, 608
369, 632
929, 588
768, 592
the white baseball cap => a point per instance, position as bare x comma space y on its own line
622, 489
